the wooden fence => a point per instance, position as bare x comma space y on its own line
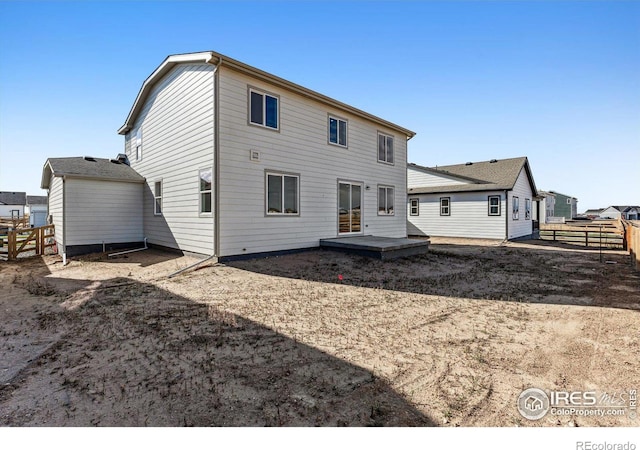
29, 240
15, 222
603, 234
632, 231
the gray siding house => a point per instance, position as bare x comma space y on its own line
235, 161
494, 199
565, 206
12, 204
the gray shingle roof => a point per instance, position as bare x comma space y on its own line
13, 198
36, 199
86, 167
480, 176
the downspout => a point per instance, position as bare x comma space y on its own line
506, 215
216, 156
64, 221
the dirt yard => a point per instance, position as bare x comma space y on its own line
317, 338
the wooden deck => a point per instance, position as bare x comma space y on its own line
377, 247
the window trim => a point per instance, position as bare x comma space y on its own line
527, 209
417, 206
386, 153
386, 187
282, 174
200, 192
346, 131
499, 206
264, 93
156, 197
448, 213
515, 208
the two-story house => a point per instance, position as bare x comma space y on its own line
237, 161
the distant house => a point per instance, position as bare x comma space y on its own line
592, 213
36, 207
547, 205
12, 204
93, 201
621, 212
565, 206
490, 199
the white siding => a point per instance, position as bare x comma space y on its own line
177, 140
5, 210
98, 211
469, 216
522, 190
611, 213
421, 178
300, 147
56, 192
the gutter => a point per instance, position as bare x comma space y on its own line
216, 157
506, 215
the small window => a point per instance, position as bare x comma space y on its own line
282, 194
516, 208
385, 148
445, 206
494, 205
527, 209
414, 207
263, 109
568, 201
205, 190
138, 144
385, 200
157, 198
337, 131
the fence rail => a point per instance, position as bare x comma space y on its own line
608, 234
30, 240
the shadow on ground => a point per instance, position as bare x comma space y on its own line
523, 274
124, 353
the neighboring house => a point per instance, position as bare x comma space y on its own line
36, 207
565, 206
592, 213
490, 199
547, 205
237, 162
621, 212
12, 204
93, 202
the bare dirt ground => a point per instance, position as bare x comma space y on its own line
317, 338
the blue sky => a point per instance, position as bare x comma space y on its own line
558, 82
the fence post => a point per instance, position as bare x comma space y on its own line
11, 244
554, 235
586, 238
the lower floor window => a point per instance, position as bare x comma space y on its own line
516, 208
282, 194
445, 206
157, 197
414, 207
385, 200
494, 205
527, 209
205, 190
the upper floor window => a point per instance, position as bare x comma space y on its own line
516, 208
282, 194
494, 205
205, 190
385, 148
445, 206
337, 131
385, 200
263, 109
138, 144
